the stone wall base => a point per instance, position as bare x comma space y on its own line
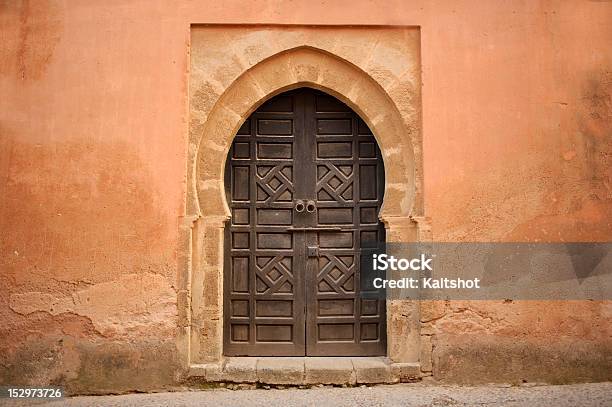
297, 371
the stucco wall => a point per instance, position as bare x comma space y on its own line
517, 140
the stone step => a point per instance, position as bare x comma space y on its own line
307, 370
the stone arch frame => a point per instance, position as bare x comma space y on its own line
302, 66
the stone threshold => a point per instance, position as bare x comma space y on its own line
307, 370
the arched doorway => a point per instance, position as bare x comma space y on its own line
304, 182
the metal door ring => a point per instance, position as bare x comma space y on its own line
311, 207
299, 206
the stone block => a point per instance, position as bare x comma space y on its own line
405, 372
242, 96
329, 371
287, 370
241, 370
214, 372
372, 370
211, 372
306, 65
426, 356
197, 370
273, 74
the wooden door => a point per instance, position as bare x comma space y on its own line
305, 182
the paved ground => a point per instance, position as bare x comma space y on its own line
596, 394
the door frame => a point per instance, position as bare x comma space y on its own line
201, 289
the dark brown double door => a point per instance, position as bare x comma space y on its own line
305, 182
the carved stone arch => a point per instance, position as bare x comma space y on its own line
292, 68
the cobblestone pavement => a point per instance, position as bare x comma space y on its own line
594, 394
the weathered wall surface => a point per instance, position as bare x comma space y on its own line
517, 136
